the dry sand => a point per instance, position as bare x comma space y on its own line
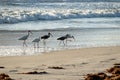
76, 63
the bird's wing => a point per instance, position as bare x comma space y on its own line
69, 36
24, 37
36, 40
61, 38
44, 36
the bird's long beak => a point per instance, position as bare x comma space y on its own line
51, 35
73, 38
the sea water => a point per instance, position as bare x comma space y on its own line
93, 24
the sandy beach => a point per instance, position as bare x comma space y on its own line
93, 44
76, 63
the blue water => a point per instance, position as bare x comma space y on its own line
23, 12
93, 24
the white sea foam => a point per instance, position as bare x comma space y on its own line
18, 50
15, 16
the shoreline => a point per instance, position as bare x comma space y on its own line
76, 63
10, 45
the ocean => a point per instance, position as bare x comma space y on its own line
93, 24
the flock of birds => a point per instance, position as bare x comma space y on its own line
36, 41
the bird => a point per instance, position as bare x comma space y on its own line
36, 41
24, 38
69, 37
66, 37
46, 37
62, 39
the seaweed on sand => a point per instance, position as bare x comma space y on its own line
114, 74
4, 76
34, 72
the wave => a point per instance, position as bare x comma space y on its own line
16, 16
36, 1
62, 29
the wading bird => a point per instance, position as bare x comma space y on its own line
36, 42
66, 37
69, 37
24, 38
46, 37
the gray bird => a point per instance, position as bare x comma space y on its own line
36, 42
24, 38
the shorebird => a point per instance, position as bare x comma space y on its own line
46, 37
65, 37
62, 39
36, 41
69, 37
24, 38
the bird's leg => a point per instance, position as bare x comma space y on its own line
64, 43
44, 43
25, 43
34, 44
59, 42
38, 44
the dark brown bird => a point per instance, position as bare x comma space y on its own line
46, 37
65, 37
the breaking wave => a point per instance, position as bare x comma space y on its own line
16, 16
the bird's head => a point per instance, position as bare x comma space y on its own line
70, 36
30, 32
73, 37
50, 34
